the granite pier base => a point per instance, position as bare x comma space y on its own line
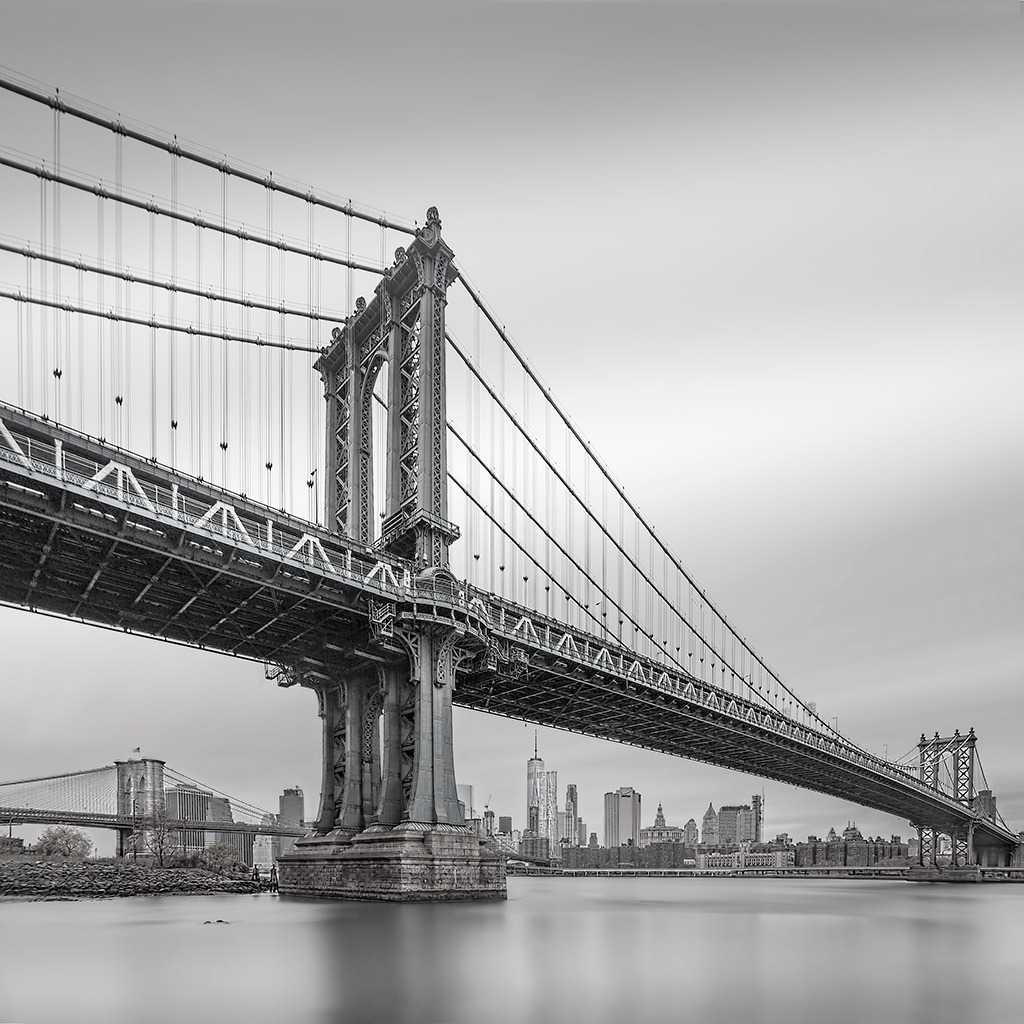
402, 864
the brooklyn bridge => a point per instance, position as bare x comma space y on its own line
233, 417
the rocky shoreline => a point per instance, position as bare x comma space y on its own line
27, 879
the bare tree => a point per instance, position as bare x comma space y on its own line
64, 841
162, 840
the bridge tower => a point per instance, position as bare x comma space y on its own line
140, 795
389, 825
947, 764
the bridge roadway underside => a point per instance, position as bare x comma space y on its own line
63, 557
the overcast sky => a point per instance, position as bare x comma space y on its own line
768, 255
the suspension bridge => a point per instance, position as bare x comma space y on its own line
151, 806
209, 435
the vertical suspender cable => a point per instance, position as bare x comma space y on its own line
152, 337
173, 305
197, 363
501, 473
268, 397
472, 474
101, 364
223, 324
21, 352
210, 430
282, 369
549, 510
116, 326
44, 346
58, 365
604, 556
319, 402
312, 404
244, 382
568, 580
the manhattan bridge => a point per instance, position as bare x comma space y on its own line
255, 418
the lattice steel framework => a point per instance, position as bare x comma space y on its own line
947, 765
410, 677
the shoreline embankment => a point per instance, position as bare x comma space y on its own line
25, 878
893, 873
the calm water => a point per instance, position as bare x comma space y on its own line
718, 951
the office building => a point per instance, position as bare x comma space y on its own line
622, 817
292, 807
505, 824
709, 827
757, 804
189, 803
572, 815
264, 848
691, 837
542, 801
571, 830
535, 846
465, 795
731, 824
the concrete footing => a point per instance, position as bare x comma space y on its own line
407, 863
970, 873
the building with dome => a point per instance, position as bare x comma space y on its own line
659, 832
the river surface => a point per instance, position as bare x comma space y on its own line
593, 950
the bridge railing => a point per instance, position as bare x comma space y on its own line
147, 487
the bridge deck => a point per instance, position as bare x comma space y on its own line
137, 548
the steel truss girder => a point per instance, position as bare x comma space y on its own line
275, 593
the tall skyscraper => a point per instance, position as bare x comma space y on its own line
709, 827
292, 807
536, 791
550, 829
542, 800
757, 803
505, 824
571, 815
465, 795
691, 837
622, 817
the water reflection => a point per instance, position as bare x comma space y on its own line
595, 950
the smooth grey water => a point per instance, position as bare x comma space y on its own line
718, 951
